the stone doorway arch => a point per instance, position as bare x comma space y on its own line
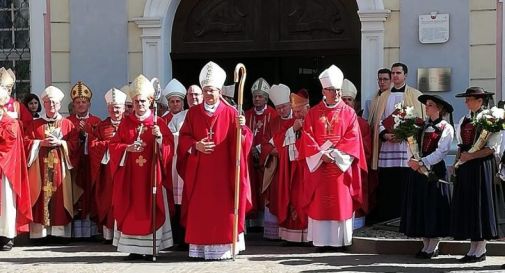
158, 19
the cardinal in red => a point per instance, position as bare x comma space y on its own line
15, 205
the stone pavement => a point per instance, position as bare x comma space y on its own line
260, 256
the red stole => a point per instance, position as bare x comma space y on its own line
132, 192
209, 180
290, 180
331, 194
13, 166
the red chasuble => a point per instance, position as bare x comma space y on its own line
81, 171
260, 127
290, 183
331, 194
132, 192
208, 196
51, 186
23, 114
101, 176
278, 128
13, 166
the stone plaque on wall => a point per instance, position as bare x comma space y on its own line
433, 28
437, 79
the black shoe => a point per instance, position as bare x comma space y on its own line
466, 259
107, 242
420, 254
133, 256
6, 247
476, 259
502, 266
431, 255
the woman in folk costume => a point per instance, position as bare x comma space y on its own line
132, 159
15, 206
207, 147
50, 142
426, 203
99, 156
475, 207
333, 149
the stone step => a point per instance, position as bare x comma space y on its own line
367, 245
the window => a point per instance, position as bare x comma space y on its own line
15, 42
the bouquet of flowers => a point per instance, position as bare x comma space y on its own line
489, 121
406, 127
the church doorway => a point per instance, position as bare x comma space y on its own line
283, 41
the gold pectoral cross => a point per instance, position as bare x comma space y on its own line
140, 161
210, 135
49, 188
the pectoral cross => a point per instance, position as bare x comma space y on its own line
140, 161
258, 126
210, 134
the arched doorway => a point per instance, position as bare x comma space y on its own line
287, 41
158, 20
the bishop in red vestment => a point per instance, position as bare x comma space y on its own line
134, 165
50, 143
207, 142
15, 205
85, 123
101, 176
269, 154
333, 149
258, 119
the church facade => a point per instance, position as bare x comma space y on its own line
108, 43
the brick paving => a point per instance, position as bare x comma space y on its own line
260, 256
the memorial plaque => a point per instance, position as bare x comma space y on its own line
433, 28
436, 79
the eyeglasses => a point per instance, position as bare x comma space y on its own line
383, 79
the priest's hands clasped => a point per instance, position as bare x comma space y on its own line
51, 141
327, 158
136, 147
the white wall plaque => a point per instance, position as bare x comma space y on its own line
433, 28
